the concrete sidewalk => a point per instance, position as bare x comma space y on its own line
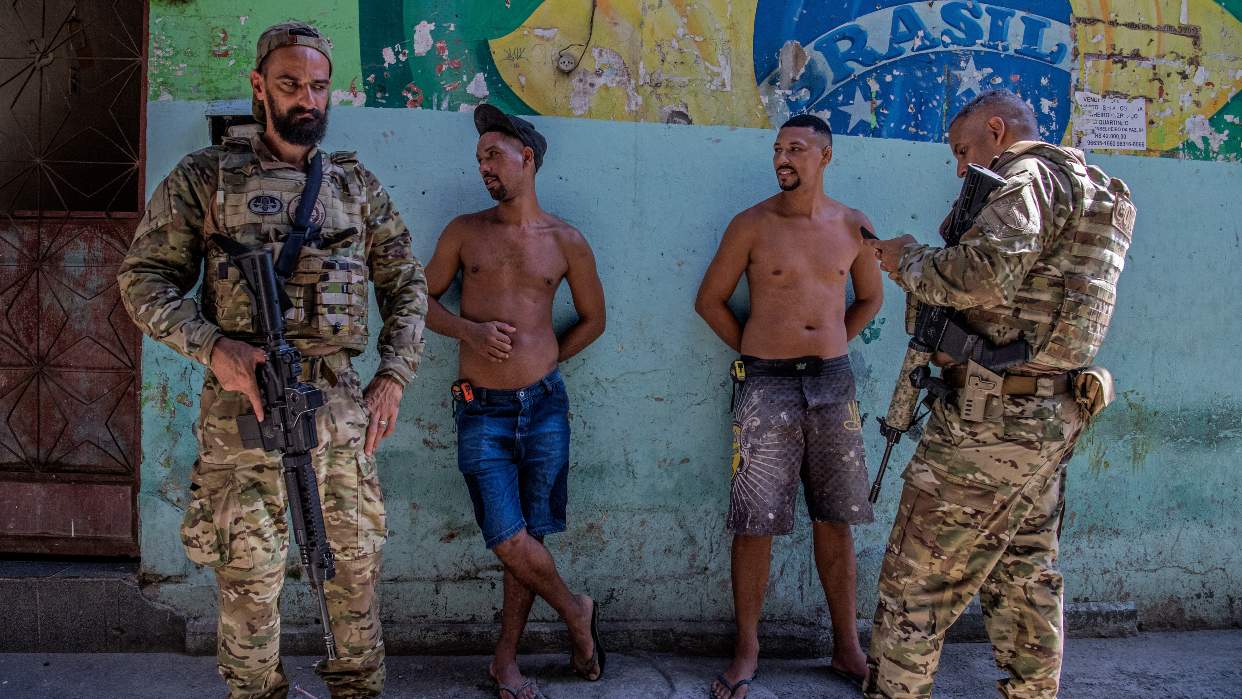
1203, 664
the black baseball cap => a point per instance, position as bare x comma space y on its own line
488, 119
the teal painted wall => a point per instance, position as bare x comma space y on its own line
1152, 491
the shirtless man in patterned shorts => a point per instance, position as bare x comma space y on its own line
795, 416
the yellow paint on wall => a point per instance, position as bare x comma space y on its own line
647, 61
1180, 55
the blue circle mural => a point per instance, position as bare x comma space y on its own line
903, 69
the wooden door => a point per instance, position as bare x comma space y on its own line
72, 122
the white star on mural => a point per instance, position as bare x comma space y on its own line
859, 110
970, 77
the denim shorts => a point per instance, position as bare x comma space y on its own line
513, 450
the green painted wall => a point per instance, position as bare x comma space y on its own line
205, 50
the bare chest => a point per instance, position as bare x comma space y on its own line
513, 262
796, 257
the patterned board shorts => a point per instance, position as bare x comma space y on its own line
788, 428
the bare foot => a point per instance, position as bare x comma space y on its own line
583, 657
745, 663
850, 661
512, 684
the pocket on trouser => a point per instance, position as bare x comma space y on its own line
228, 524
353, 505
945, 520
204, 540
219, 436
342, 422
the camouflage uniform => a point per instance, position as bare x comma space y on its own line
982, 504
235, 521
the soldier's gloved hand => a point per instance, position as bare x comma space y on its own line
383, 399
491, 339
233, 362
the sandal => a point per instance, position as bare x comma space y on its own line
732, 687
517, 693
598, 657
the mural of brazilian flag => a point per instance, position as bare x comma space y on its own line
903, 69
404, 66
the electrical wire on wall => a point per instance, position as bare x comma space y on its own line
566, 62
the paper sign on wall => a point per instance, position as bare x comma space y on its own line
1110, 122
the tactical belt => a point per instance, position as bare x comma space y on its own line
1043, 386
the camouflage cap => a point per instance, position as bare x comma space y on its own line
292, 33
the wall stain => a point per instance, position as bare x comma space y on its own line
436, 444
871, 333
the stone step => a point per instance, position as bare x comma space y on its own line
100, 607
82, 607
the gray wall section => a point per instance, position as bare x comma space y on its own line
1151, 491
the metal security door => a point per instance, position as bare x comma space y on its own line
72, 108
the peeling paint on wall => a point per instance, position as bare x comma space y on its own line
1184, 57
205, 50
883, 68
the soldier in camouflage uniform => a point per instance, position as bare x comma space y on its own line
983, 500
247, 189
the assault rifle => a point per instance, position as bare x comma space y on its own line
938, 329
288, 426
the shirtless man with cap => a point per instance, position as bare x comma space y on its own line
510, 405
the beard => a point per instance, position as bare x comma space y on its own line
793, 184
498, 192
297, 131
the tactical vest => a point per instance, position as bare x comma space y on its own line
328, 286
1064, 305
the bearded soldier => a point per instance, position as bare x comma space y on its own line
247, 191
984, 494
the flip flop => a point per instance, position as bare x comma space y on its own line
598, 657
856, 680
517, 693
732, 687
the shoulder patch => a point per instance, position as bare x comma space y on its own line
1010, 217
1013, 211
1124, 214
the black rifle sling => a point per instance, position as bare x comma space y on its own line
303, 230
231, 247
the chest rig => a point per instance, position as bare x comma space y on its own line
325, 299
1064, 306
